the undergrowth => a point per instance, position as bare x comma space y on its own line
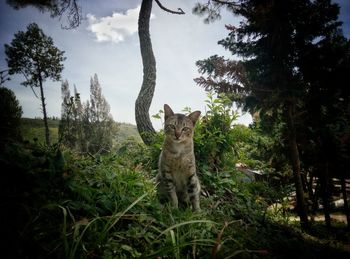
57, 204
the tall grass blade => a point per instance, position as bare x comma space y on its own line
173, 241
126, 210
187, 223
64, 230
73, 251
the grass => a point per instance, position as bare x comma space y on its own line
33, 129
59, 204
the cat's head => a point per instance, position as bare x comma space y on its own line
179, 127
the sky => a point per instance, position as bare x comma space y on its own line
106, 43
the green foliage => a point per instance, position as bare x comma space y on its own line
220, 143
63, 205
100, 128
86, 127
34, 55
78, 207
214, 138
11, 113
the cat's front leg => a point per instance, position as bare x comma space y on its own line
193, 189
195, 202
171, 190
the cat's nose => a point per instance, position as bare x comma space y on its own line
177, 134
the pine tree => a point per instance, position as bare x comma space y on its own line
78, 120
64, 130
278, 43
103, 128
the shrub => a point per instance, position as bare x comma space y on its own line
10, 116
214, 138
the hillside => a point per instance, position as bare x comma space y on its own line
34, 129
127, 130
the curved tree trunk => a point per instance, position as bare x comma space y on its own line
144, 99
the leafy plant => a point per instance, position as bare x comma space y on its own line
213, 134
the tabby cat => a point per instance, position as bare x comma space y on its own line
177, 179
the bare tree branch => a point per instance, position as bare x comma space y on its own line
168, 10
225, 2
57, 8
4, 76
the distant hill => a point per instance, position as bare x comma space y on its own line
34, 129
127, 130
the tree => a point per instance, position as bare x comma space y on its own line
144, 99
34, 55
10, 117
102, 126
327, 105
66, 130
275, 41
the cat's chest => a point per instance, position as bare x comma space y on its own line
180, 168
178, 164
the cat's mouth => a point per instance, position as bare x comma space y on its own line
175, 139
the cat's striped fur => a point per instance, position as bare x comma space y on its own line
177, 179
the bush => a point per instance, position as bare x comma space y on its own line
214, 138
58, 204
10, 116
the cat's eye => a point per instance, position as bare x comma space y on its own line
186, 129
170, 126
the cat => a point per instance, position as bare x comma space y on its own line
177, 179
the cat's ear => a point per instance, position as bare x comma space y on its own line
194, 116
168, 112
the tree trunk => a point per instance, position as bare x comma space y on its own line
325, 197
144, 99
345, 197
47, 132
315, 202
311, 192
301, 206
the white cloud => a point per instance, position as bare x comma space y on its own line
114, 28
